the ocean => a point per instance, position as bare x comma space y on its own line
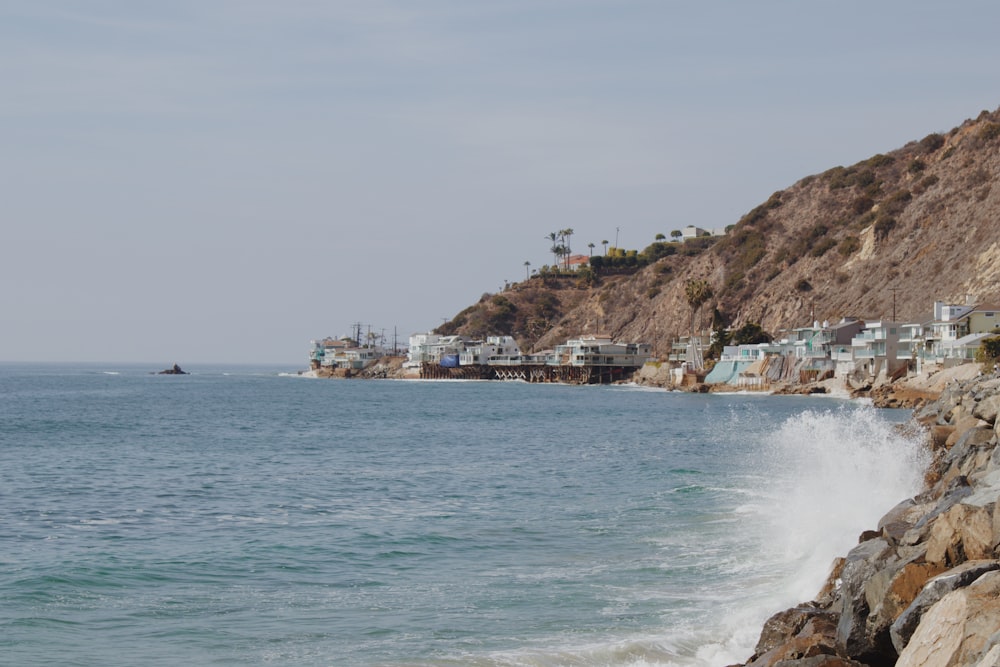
245, 516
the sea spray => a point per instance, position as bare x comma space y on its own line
823, 476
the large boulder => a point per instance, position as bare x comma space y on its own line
958, 629
935, 589
964, 532
889, 593
987, 409
812, 631
863, 563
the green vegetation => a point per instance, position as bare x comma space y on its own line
658, 250
895, 203
931, 143
759, 214
693, 247
988, 354
697, 292
989, 132
820, 248
883, 226
750, 333
849, 245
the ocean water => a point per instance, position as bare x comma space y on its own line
243, 516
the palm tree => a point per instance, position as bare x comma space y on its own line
554, 238
697, 293
565, 234
591, 246
605, 244
527, 264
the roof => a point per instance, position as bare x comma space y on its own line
968, 341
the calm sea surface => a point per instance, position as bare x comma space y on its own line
242, 516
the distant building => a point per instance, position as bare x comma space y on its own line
600, 351
692, 232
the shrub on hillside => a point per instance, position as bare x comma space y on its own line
655, 251
883, 226
931, 143
820, 248
895, 203
989, 132
849, 245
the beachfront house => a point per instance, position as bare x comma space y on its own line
434, 348
323, 353
494, 350
875, 349
956, 331
600, 350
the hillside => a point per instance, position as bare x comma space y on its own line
893, 232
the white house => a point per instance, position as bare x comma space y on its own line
601, 351
493, 349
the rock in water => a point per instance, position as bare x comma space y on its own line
176, 370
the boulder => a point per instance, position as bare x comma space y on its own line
175, 370
939, 434
935, 589
782, 626
957, 629
987, 409
863, 563
961, 426
964, 532
794, 634
820, 661
890, 592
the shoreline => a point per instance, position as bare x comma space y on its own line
922, 588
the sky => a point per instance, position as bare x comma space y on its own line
221, 181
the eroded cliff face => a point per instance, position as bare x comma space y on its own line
890, 234
921, 589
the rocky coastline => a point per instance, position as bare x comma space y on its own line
922, 588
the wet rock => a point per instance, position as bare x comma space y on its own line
795, 634
863, 563
820, 661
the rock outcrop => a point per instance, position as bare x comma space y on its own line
174, 370
922, 589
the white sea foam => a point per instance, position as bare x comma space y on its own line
826, 475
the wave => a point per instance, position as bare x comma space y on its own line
825, 476
807, 490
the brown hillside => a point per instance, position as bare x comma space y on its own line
899, 230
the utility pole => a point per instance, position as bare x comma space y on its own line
894, 290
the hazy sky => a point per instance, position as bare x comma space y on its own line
200, 181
